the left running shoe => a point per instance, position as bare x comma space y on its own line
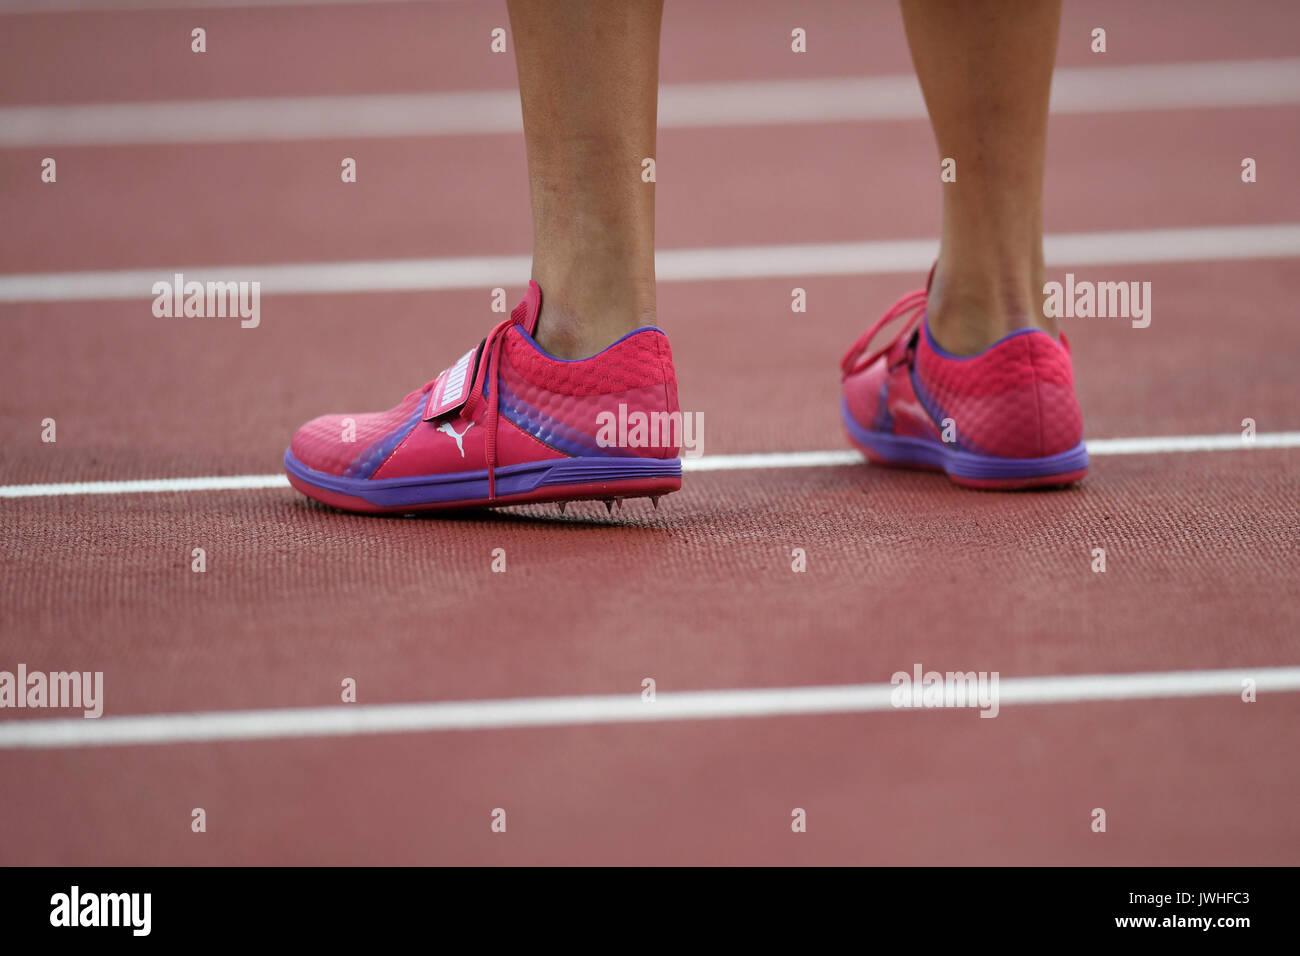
1005, 418
506, 424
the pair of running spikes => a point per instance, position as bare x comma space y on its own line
509, 424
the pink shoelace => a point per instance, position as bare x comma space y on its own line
855, 360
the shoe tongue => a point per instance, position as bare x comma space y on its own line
526, 312
451, 389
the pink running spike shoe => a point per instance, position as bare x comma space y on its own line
1005, 418
506, 424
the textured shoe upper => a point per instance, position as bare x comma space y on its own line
354, 445
561, 403
1014, 400
547, 408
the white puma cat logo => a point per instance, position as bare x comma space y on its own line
459, 436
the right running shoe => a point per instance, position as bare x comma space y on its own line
506, 424
1003, 419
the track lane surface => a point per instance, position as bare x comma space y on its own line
1201, 548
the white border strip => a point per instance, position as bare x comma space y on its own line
346, 720
1068, 250
756, 462
133, 6
1102, 89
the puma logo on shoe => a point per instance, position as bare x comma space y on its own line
459, 436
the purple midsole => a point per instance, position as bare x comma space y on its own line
900, 449
473, 485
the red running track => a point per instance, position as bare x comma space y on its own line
1201, 547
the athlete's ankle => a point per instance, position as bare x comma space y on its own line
968, 311
565, 335
576, 324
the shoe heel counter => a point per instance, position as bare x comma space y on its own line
1014, 401
1060, 420
651, 410
618, 403
671, 404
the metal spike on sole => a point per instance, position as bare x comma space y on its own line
562, 504
609, 505
654, 500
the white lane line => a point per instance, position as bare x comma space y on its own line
145, 485
878, 257
351, 720
765, 460
1103, 89
1099, 447
1179, 443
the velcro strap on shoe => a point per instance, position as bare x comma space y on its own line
451, 389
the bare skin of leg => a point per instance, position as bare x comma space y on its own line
588, 81
985, 67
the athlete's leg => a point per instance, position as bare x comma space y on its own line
985, 67
944, 393
588, 80
508, 422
